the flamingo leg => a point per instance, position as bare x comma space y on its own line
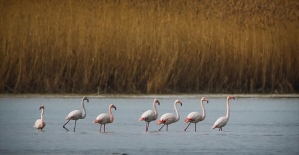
187, 126
65, 127
195, 126
147, 125
167, 127
75, 125
100, 127
104, 127
161, 127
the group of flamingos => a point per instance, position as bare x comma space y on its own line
147, 116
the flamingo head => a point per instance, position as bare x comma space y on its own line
85, 98
157, 101
41, 107
230, 97
205, 99
178, 102
113, 106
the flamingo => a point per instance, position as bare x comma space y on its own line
150, 115
170, 118
40, 123
105, 118
76, 114
221, 122
195, 117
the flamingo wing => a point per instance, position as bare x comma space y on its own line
221, 122
102, 119
39, 124
167, 118
74, 115
148, 116
194, 117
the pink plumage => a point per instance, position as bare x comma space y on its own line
104, 118
76, 114
40, 123
222, 121
150, 115
195, 117
169, 118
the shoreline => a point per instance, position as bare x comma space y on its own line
161, 96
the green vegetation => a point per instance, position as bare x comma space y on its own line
144, 46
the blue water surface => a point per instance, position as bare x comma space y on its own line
256, 126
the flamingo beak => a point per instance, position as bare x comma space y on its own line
87, 99
158, 103
207, 101
234, 98
115, 107
181, 104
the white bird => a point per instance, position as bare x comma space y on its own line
195, 117
222, 121
105, 118
169, 118
76, 114
150, 115
40, 123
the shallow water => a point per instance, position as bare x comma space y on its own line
256, 126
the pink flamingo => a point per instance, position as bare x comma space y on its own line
170, 118
105, 118
195, 117
150, 115
76, 114
40, 123
222, 121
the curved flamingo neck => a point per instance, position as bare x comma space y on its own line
42, 115
155, 110
227, 108
84, 111
203, 110
111, 115
177, 112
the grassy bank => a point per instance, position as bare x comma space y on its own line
237, 46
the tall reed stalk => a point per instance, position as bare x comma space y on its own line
133, 46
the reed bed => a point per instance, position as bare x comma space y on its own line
163, 46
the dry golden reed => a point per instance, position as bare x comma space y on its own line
145, 46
